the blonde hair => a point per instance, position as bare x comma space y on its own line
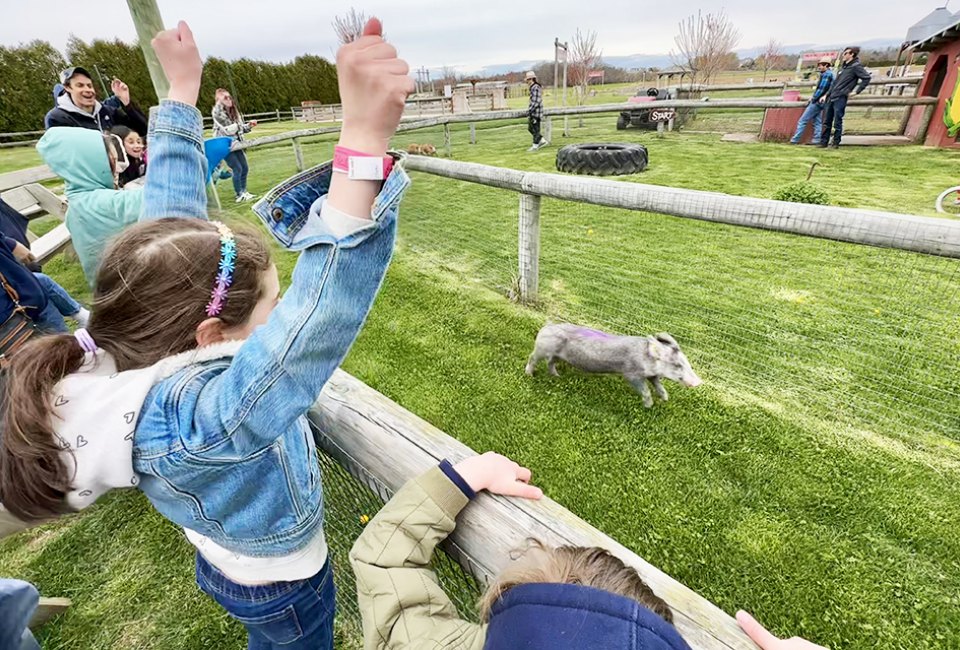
575, 565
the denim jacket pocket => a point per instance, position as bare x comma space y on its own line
286, 209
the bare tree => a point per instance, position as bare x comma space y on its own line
704, 45
349, 26
449, 75
585, 57
772, 57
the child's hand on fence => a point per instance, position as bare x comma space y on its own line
180, 61
374, 85
767, 641
498, 475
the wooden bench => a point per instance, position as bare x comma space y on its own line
22, 191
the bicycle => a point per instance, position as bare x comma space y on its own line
949, 201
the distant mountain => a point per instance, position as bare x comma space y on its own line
634, 61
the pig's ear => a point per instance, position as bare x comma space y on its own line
665, 338
655, 350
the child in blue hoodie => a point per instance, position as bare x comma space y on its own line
97, 210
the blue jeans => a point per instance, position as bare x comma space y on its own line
280, 615
59, 304
237, 161
813, 111
18, 600
836, 109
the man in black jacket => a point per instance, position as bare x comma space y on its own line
854, 78
78, 105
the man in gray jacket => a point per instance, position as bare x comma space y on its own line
854, 78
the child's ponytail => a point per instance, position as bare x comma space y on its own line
33, 477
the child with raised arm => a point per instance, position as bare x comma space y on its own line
192, 381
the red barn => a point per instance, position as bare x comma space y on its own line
942, 45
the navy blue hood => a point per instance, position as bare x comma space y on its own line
573, 617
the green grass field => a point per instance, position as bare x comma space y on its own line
813, 480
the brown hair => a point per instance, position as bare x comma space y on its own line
151, 292
231, 110
578, 565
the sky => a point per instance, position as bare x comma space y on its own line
467, 34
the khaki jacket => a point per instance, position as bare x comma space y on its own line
401, 603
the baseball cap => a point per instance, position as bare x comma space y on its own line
67, 74
530, 75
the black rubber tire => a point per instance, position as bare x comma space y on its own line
603, 159
622, 123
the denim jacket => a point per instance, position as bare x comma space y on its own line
223, 447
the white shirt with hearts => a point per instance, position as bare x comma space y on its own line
95, 412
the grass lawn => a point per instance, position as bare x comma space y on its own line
813, 479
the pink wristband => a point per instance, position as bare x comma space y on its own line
361, 166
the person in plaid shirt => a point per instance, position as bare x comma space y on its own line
535, 112
815, 108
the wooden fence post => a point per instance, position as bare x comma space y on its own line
905, 120
293, 114
298, 152
925, 124
548, 129
659, 129
278, 114
447, 144
473, 133
529, 250
147, 20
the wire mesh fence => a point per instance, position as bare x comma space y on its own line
352, 496
834, 334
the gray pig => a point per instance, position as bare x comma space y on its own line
638, 358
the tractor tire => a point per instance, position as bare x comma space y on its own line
622, 123
605, 159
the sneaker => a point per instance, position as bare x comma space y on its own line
245, 196
532, 149
835, 145
543, 143
241, 198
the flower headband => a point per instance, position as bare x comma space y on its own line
228, 256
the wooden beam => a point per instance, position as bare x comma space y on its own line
48, 201
147, 20
21, 177
54, 242
48, 609
356, 424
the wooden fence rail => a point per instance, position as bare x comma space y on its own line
356, 424
494, 116
907, 232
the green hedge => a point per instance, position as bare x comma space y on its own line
29, 71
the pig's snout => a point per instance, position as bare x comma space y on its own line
691, 380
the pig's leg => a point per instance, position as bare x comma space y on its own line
532, 363
641, 385
552, 366
660, 390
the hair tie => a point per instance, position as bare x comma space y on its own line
85, 340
